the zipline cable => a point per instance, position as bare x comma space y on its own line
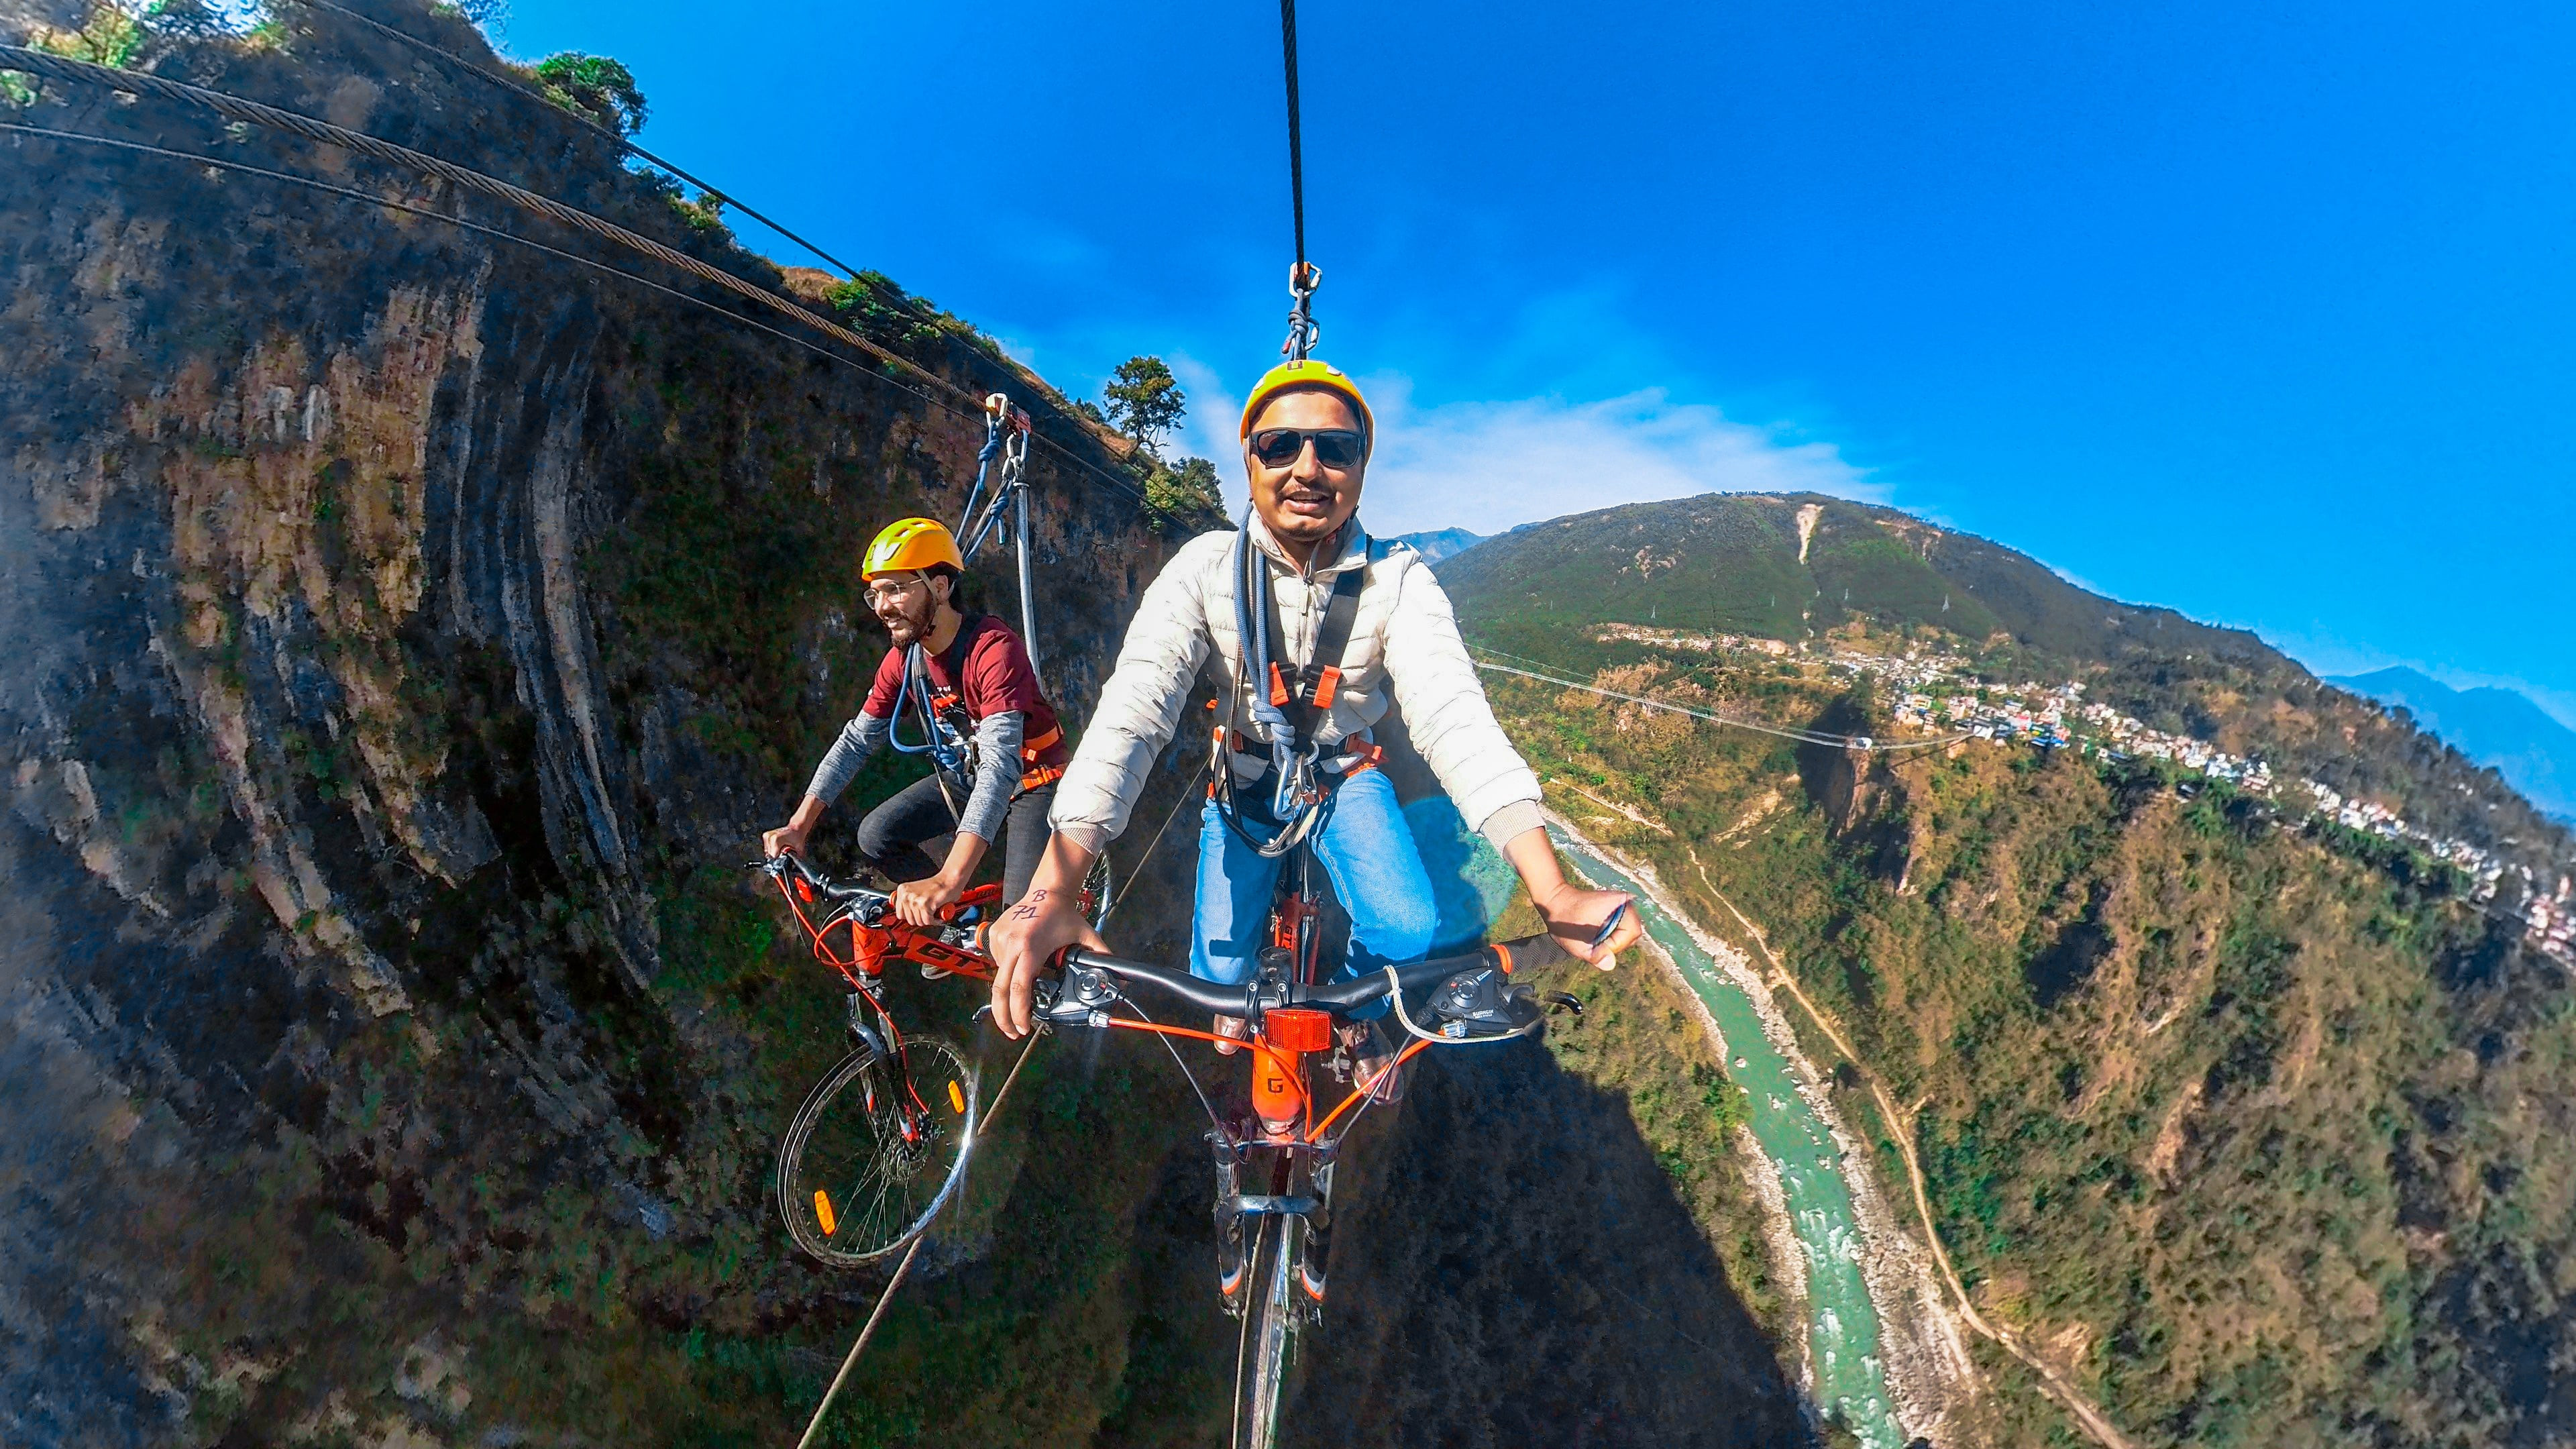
1804, 737
195, 158
868, 1331
606, 132
237, 108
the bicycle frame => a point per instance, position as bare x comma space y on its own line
877, 936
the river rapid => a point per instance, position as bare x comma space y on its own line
1849, 1374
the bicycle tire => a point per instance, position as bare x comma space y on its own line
1269, 1332
846, 1145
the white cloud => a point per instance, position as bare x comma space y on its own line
1488, 466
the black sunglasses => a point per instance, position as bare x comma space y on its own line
1279, 447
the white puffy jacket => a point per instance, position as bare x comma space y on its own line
1404, 645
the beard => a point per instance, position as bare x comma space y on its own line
910, 624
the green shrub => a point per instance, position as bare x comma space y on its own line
596, 86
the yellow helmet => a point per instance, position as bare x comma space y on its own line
1310, 373
911, 544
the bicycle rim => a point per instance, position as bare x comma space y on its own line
852, 1185
1269, 1329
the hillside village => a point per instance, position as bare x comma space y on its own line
1940, 693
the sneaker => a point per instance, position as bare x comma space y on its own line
934, 973
1232, 1029
1375, 1062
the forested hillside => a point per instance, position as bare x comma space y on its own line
2254, 1125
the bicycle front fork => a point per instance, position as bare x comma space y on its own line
1308, 1216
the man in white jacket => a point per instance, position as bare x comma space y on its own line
1307, 433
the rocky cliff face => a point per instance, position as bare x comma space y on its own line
407, 634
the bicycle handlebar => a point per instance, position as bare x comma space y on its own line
778, 864
1340, 998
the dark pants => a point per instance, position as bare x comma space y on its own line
890, 838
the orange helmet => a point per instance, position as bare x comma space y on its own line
1310, 373
911, 544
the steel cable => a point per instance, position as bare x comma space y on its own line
607, 133
1296, 160
194, 158
814, 1425
237, 108
1804, 737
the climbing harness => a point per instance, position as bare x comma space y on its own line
1006, 435
1291, 704
947, 730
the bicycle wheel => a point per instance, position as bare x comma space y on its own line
869, 1160
1269, 1330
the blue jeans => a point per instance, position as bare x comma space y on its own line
1367, 852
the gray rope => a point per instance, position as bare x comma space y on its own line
194, 158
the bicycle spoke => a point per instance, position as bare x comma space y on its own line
848, 1140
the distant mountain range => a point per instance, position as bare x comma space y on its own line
1441, 544
2492, 726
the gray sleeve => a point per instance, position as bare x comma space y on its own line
858, 740
1512, 821
997, 746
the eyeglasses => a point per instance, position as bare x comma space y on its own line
882, 593
1279, 447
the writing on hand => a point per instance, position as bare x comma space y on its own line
1027, 909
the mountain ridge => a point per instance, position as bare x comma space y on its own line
1806, 569
2501, 727
1440, 544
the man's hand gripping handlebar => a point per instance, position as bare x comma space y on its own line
1034, 930
1092, 980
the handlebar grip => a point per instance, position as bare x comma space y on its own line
1530, 953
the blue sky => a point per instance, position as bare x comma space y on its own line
2263, 311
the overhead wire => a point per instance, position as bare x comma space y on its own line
237, 108
607, 133
195, 158
1865, 743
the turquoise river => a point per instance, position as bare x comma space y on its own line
1850, 1377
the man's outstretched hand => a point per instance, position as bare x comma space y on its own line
1573, 914
1028, 936
1574, 918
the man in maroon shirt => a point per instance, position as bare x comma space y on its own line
964, 683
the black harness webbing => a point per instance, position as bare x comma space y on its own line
1307, 694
